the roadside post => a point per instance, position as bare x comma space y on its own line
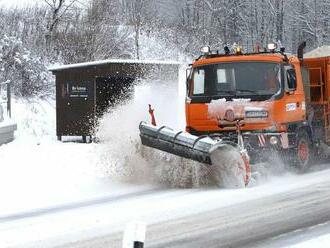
134, 235
7, 99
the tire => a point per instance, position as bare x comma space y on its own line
303, 153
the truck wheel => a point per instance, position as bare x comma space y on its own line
303, 152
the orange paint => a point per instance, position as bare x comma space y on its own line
208, 116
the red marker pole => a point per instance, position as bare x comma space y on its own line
151, 112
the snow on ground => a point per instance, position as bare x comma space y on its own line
152, 207
7, 123
322, 241
310, 237
38, 171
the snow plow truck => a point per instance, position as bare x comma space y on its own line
241, 107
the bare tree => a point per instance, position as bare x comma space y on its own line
279, 7
136, 15
75, 30
57, 9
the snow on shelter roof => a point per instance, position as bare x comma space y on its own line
113, 61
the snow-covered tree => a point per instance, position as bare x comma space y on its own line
26, 72
96, 29
57, 9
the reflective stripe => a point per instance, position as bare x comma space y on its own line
262, 140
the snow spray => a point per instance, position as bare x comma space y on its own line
121, 152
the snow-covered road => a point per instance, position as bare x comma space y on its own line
69, 194
206, 217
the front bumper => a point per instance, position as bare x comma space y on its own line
278, 141
256, 140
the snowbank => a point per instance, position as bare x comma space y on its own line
35, 119
39, 171
7, 122
318, 241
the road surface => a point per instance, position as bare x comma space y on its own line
239, 225
205, 217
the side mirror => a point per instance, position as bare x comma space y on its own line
188, 77
291, 80
188, 72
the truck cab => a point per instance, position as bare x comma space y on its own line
266, 95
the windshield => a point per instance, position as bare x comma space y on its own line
237, 79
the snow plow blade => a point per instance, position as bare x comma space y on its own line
229, 163
181, 143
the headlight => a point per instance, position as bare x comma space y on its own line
273, 140
256, 114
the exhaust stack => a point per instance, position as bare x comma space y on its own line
300, 51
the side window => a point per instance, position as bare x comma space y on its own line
292, 80
199, 81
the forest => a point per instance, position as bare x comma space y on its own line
71, 31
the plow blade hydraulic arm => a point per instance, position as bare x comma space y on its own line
179, 143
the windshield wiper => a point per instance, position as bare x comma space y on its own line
245, 90
227, 91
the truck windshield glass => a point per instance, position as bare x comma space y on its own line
239, 79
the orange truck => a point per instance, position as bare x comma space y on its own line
266, 101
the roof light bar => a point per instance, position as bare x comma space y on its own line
205, 50
272, 46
